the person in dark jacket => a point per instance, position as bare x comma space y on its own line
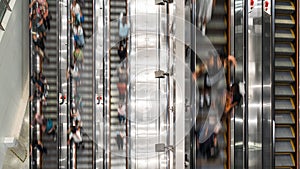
122, 52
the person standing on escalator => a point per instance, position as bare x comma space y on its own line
124, 27
204, 12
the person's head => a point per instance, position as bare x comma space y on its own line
34, 37
34, 12
73, 129
74, 2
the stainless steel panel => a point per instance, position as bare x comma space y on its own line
267, 91
239, 113
254, 86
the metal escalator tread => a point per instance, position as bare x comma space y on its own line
286, 21
216, 32
219, 23
284, 118
219, 39
85, 90
284, 81
284, 48
284, 145
284, 104
284, 7
284, 35
284, 90
284, 63
284, 160
284, 132
117, 158
284, 76
50, 161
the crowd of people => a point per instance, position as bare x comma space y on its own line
209, 75
124, 27
39, 25
75, 70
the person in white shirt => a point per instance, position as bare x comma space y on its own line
75, 136
76, 12
78, 36
121, 113
124, 27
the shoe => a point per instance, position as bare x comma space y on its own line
201, 101
207, 99
203, 29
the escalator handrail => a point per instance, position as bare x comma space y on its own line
30, 102
70, 148
94, 87
58, 80
128, 147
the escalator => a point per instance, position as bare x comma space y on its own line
285, 85
85, 155
50, 111
216, 32
217, 27
117, 157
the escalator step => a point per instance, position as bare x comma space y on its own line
284, 48
219, 10
284, 132
285, 35
218, 24
284, 118
286, 146
284, 160
284, 62
286, 7
284, 76
218, 39
284, 90
286, 21
284, 104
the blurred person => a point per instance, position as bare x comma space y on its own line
75, 136
216, 67
49, 128
78, 57
45, 15
76, 118
120, 140
121, 113
36, 24
75, 74
38, 119
122, 52
78, 36
40, 49
76, 12
233, 98
204, 13
124, 27
39, 146
122, 84
78, 102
